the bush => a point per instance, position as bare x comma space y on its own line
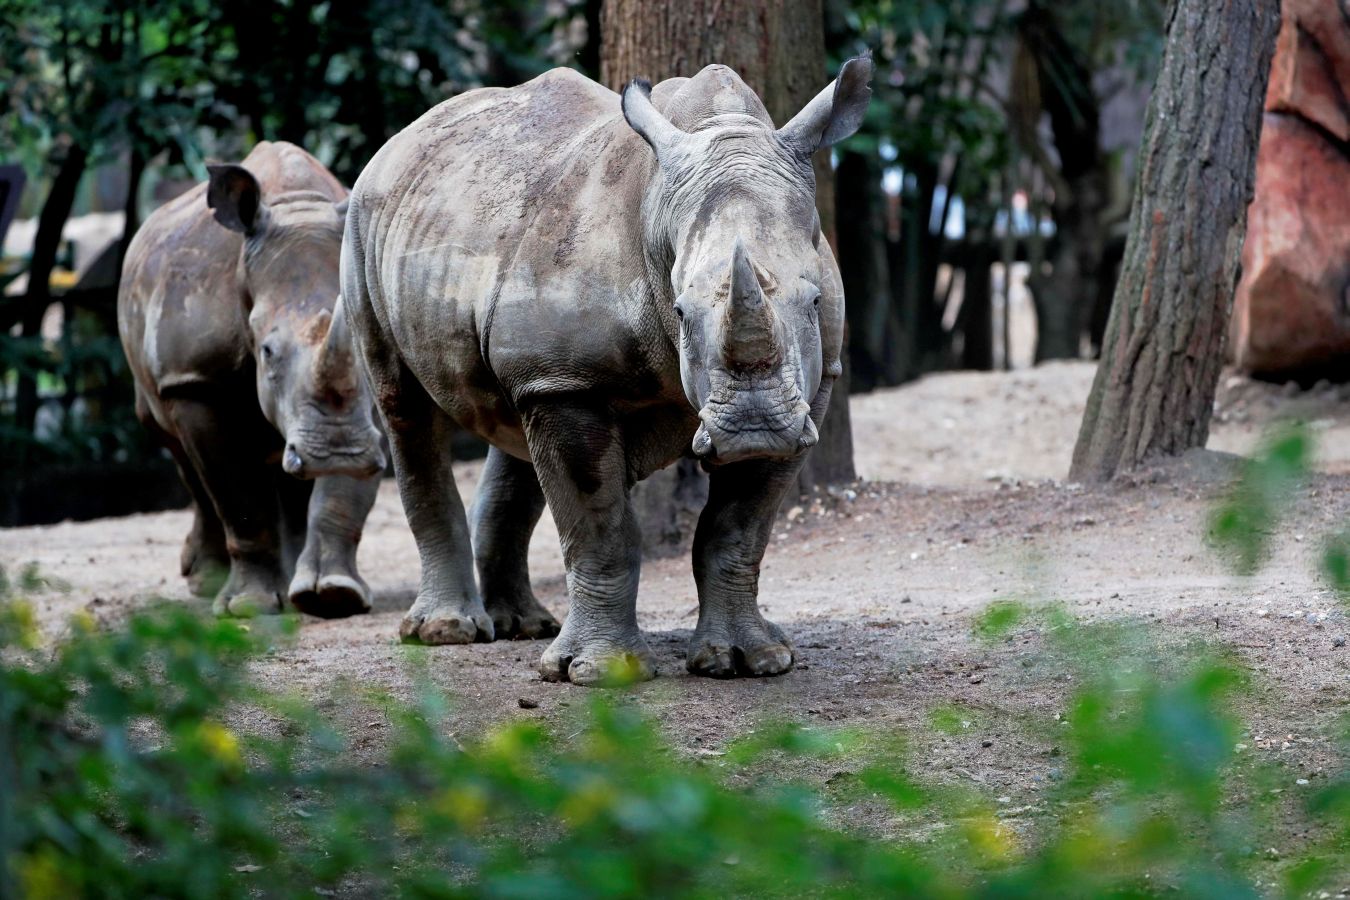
144, 762
124, 778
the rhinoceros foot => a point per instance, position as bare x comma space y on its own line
599, 661
740, 648
435, 621
204, 562
524, 619
248, 592
332, 596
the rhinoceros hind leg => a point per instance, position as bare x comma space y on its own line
326, 583
505, 512
578, 453
227, 449
448, 608
732, 637
204, 562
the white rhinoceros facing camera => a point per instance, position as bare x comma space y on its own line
597, 286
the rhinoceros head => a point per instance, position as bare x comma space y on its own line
733, 204
310, 386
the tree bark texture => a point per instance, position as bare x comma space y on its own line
46, 243
1163, 348
778, 48
1064, 298
873, 321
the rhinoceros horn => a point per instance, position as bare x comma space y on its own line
749, 340
334, 363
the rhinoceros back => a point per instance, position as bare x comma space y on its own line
179, 304
497, 242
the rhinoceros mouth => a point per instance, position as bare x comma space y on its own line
360, 456
759, 418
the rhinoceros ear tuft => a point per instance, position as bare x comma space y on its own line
647, 120
236, 197
836, 112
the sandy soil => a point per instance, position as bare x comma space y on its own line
960, 506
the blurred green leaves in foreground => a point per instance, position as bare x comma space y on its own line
1260, 500
144, 761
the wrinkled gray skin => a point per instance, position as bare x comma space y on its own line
247, 375
596, 297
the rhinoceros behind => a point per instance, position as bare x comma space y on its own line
596, 297
243, 370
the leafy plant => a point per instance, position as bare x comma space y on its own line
143, 761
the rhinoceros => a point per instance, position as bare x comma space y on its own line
247, 374
597, 285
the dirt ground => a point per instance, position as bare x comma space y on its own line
962, 503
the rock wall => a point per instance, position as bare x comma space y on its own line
1291, 315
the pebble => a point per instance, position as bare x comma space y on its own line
526, 703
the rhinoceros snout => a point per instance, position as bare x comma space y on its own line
750, 439
365, 462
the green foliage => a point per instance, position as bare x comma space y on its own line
1242, 525
143, 761
165, 85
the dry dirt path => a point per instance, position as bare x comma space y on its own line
958, 508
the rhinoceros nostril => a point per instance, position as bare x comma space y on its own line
291, 462
703, 442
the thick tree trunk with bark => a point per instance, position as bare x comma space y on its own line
1163, 348
873, 322
46, 244
778, 47
1065, 297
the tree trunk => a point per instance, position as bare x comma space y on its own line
1064, 298
977, 309
1163, 349
873, 325
46, 243
778, 47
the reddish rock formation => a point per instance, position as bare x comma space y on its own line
1291, 315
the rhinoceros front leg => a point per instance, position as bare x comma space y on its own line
505, 511
448, 609
732, 636
579, 456
225, 446
326, 582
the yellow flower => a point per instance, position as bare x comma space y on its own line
220, 743
991, 839
82, 622
465, 805
23, 621
40, 877
586, 802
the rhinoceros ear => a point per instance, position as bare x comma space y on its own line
236, 197
835, 113
648, 121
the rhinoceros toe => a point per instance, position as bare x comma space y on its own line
756, 649
524, 625
598, 664
333, 596
445, 628
247, 604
